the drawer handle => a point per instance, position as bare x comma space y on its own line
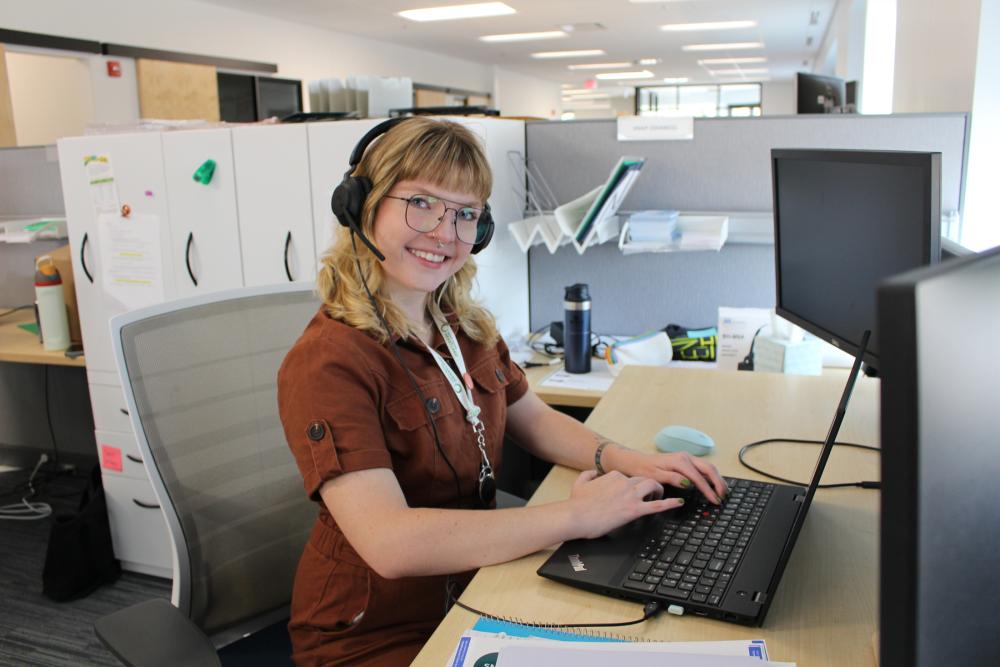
83, 261
124, 411
187, 258
134, 459
288, 242
145, 505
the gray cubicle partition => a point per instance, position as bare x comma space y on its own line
726, 167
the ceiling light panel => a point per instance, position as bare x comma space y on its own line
745, 60
568, 54
707, 25
614, 76
738, 72
525, 36
675, 79
728, 46
452, 12
600, 66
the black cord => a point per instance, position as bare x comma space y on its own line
866, 484
14, 310
649, 610
48, 415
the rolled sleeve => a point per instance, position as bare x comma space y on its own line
328, 401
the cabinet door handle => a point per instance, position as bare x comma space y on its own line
187, 258
134, 459
288, 243
147, 506
123, 411
83, 261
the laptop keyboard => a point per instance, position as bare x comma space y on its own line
695, 554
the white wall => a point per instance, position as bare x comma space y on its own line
981, 224
935, 55
520, 95
300, 51
116, 99
842, 51
777, 98
40, 86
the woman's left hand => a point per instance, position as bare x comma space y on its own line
679, 470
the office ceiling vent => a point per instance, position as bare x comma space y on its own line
583, 27
809, 41
814, 17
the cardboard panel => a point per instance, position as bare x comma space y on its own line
177, 91
7, 135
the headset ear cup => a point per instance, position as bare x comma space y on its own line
485, 221
349, 199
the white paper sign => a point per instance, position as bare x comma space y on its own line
131, 270
646, 128
737, 327
101, 179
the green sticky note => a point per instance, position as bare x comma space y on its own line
30, 327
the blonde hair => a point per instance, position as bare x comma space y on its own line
439, 152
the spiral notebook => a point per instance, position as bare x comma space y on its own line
490, 637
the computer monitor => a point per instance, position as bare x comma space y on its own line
278, 97
940, 464
843, 222
819, 94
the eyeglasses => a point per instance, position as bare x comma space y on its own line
425, 212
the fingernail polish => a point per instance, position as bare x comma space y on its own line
685, 482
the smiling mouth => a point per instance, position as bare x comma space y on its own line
428, 256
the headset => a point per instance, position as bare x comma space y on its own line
349, 196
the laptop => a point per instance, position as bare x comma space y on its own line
722, 562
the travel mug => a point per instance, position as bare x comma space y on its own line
576, 328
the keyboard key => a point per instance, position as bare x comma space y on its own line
699, 597
714, 600
637, 576
689, 579
668, 583
644, 566
703, 589
678, 593
716, 565
640, 586
685, 586
652, 579
699, 563
684, 558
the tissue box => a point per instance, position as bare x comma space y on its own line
778, 355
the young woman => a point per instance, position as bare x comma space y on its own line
395, 402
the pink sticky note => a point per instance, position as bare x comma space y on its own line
111, 458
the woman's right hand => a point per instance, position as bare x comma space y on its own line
602, 503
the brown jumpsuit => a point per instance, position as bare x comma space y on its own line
346, 405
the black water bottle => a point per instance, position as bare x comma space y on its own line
576, 328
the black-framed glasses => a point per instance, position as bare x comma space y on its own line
425, 212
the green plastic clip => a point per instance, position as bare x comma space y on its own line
205, 172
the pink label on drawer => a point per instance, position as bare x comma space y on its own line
111, 458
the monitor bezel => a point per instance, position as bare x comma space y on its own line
930, 162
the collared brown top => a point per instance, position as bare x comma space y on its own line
346, 404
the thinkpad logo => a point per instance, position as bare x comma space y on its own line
577, 564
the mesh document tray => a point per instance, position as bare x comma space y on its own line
204, 386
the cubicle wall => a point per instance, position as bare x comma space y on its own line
726, 168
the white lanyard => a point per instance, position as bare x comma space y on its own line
463, 390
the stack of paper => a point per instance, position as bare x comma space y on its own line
694, 232
658, 226
28, 230
508, 644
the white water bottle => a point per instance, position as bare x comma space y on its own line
51, 305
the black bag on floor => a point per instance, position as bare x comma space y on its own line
80, 556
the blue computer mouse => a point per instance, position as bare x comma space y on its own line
684, 439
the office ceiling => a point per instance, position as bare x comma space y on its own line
791, 31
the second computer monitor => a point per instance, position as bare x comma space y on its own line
819, 94
843, 222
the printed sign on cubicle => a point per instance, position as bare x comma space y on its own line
659, 128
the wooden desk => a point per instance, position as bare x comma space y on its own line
579, 398
825, 609
19, 346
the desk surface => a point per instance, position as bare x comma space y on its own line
825, 609
579, 398
18, 345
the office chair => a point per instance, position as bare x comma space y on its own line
200, 381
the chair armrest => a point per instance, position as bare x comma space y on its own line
155, 633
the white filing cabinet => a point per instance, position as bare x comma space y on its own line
263, 219
274, 203
204, 226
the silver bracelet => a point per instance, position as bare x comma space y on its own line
597, 456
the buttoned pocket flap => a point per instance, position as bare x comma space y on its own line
409, 415
490, 376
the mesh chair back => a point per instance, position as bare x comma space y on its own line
201, 382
